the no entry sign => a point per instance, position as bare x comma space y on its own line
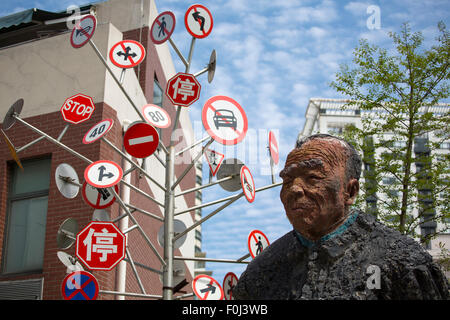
100, 245
103, 174
224, 120
83, 31
98, 198
248, 184
273, 148
257, 242
156, 116
141, 140
162, 27
127, 54
207, 288
79, 285
183, 89
198, 21
98, 131
78, 108
229, 282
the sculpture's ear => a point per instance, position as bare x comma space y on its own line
352, 191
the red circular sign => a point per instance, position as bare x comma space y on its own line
229, 282
183, 89
98, 198
248, 184
127, 54
163, 27
141, 140
77, 108
83, 31
207, 288
225, 120
273, 148
100, 245
257, 242
198, 21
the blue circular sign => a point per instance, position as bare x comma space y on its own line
79, 285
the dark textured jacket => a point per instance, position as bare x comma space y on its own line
338, 268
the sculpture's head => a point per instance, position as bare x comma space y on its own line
320, 182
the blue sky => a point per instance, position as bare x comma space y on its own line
272, 57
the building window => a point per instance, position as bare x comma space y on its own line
26, 217
157, 93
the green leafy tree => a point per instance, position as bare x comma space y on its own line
404, 125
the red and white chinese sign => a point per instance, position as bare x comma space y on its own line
183, 89
100, 245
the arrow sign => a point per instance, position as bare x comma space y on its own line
127, 54
103, 174
207, 288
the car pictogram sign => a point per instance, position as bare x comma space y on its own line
79, 285
78, 108
100, 245
214, 160
103, 174
229, 282
127, 54
98, 198
224, 120
183, 89
156, 116
83, 31
273, 148
97, 131
141, 140
207, 288
257, 242
162, 27
198, 21
248, 184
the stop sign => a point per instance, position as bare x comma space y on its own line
77, 108
100, 245
183, 89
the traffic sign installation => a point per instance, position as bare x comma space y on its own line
100, 245
98, 198
207, 288
156, 116
198, 21
97, 131
273, 148
229, 282
248, 184
163, 27
79, 285
214, 160
141, 140
224, 120
183, 89
127, 54
257, 242
78, 108
83, 31
103, 174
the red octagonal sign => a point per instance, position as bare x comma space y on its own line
100, 245
77, 108
183, 89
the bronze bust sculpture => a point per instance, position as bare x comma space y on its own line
334, 252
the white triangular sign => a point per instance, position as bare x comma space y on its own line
214, 160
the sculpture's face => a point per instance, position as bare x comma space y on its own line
315, 191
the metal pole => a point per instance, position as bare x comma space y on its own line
211, 260
192, 164
63, 132
177, 51
29, 144
236, 197
169, 207
141, 286
205, 185
131, 294
190, 147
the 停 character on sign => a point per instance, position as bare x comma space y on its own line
184, 88
103, 243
